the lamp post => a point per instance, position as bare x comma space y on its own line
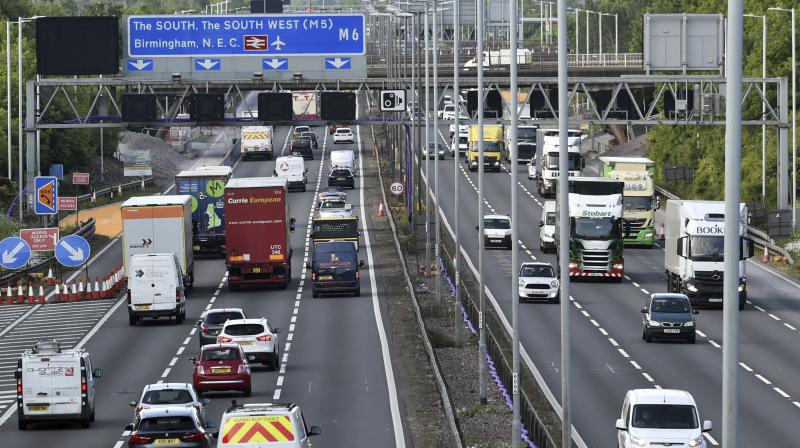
763, 18
794, 114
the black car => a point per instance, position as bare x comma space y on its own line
176, 426
313, 137
668, 316
212, 323
341, 177
302, 146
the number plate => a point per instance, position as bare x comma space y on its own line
326, 277
341, 178
244, 342
496, 241
196, 247
168, 442
220, 370
142, 307
256, 270
672, 330
37, 407
715, 299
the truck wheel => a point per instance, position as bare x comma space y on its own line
132, 320
21, 423
741, 305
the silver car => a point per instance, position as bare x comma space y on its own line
163, 395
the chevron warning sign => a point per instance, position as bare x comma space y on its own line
259, 429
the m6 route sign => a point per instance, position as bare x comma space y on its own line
396, 188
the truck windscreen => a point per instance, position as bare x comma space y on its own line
527, 134
637, 203
595, 228
707, 248
487, 147
551, 161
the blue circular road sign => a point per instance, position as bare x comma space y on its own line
72, 251
14, 253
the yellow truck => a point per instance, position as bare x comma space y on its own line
492, 147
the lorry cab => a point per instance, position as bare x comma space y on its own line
492, 147
293, 169
547, 157
335, 269
547, 227
55, 384
155, 288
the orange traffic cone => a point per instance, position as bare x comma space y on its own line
765, 257
31, 298
20, 294
81, 291
74, 296
96, 294
40, 298
57, 293
9, 295
89, 292
50, 279
381, 212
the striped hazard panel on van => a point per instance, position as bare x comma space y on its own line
255, 135
258, 429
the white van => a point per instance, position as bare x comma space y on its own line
54, 385
547, 227
343, 159
243, 426
663, 417
155, 288
293, 169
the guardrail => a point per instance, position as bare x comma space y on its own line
759, 237
123, 187
86, 230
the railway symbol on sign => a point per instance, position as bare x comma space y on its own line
396, 188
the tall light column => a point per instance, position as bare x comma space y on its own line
425, 151
458, 322
482, 369
437, 226
516, 435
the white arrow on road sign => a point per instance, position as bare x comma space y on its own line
140, 64
74, 254
275, 63
9, 257
207, 64
338, 63
278, 44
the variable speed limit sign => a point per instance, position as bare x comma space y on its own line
396, 188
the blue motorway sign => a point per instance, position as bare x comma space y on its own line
45, 195
207, 65
72, 251
140, 65
338, 63
246, 35
275, 64
14, 253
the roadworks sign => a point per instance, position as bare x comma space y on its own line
261, 429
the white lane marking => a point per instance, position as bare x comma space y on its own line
780, 392
613, 342
745, 367
186, 341
645, 291
796, 403
399, 436
623, 353
194, 330
180, 350
287, 347
603, 330
711, 439
280, 380
635, 284
763, 379
714, 343
594, 322
790, 326
648, 377
120, 443
166, 372
635, 365
759, 308
774, 316
172, 362
277, 394
700, 333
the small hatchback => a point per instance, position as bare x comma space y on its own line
341, 177
214, 320
163, 395
668, 316
258, 340
172, 426
221, 367
537, 281
660, 417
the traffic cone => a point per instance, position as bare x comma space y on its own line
94, 195
57, 293
31, 298
89, 293
96, 294
64, 292
765, 257
104, 289
81, 291
381, 212
73, 297
50, 279
40, 299
9, 295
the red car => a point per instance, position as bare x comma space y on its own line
221, 367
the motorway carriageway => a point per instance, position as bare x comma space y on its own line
334, 359
609, 356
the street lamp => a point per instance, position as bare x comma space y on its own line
763, 18
794, 115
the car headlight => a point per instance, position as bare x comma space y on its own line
689, 324
635, 441
522, 282
573, 265
698, 441
691, 287
653, 323
554, 284
618, 266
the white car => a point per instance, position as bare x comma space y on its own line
448, 112
255, 336
343, 135
660, 417
532, 169
335, 209
463, 129
165, 395
537, 281
497, 231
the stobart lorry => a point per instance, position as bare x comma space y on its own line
256, 142
492, 147
547, 155
638, 201
595, 228
694, 234
258, 226
206, 186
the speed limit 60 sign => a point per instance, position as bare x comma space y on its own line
396, 188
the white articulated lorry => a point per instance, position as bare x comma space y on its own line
694, 234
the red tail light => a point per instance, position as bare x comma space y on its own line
178, 294
223, 339
84, 388
313, 276
358, 275
139, 408
140, 440
264, 338
19, 387
242, 368
193, 437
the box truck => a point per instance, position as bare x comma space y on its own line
256, 142
258, 245
694, 233
492, 147
206, 186
595, 228
159, 225
638, 201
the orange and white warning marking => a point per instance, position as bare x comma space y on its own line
258, 429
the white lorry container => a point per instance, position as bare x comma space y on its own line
344, 158
55, 384
305, 105
293, 169
159, 225
694, 234
256, 142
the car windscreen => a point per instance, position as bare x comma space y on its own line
333, 204
244, 329
550, 219
221, 354
664, 416
536, 271
171, 424
340, 173
495, 223
222, 317
167, 396
670, 305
